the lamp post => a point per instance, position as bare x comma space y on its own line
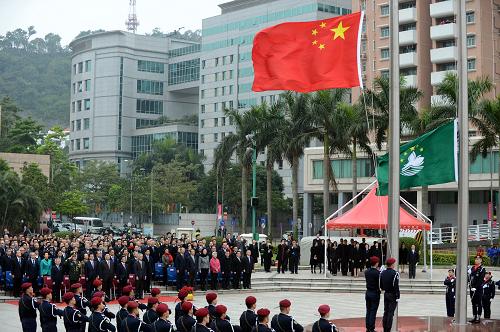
253, 200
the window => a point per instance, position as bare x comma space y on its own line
202, 109
471, 40
384, 53
86, 104
145, 123
74, 69
87, 85
384, 10
216, 92
80, 86
88, 66
384, 32
222, 135
231, 104
202, 138
74, 88
216, 122
202, 123
216, 137
203, 64
230, 120
86, 143
223, 121
80, 67
384, 73
231, 74
223, 93
202, 93
470, 17
79, 105
216, 62
86, 123
72, 145
78, 125
150, 66
184, 71
223, 105
77, 144
231, 58
73, 106
230, 89
149, 106
150, 87
72, 125
216, 107
408, 27
471, 64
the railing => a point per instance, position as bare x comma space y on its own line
476, 233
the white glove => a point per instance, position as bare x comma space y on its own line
397, 300
473, 289
491, 300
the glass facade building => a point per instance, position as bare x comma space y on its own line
144, 143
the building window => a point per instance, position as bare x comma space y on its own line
86, 123
384, 53
88, 66
74, 88
87, 85
78, 125
216, 137
216, 122
223, 106
80, 67
230, 89
150, 87
73, 106
202, 109
149, 106
384, 73
203, 63
79, 105
86, 143
384, 10
72, 125
231, 104
470, 17
471, 40
86, 104
145, 123
80, 86
184, 71
202, 93
77, 144
223, 121
216, 107
216, 92
72, 145
150, 66
384, 32
216, 62
74, 69
202, 138
222, 135
471, 64
202, 123
223, 92
231, 58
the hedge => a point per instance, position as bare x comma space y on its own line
408, 241
64, 234
450, 259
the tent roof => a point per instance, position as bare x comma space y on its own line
371, 213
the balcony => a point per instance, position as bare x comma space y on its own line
411, 80
444, 54
442, 8
407, 15
408, 60
407, 37
438, 76
444, 31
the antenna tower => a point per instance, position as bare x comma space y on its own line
132, 23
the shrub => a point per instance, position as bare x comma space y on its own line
64, 234
408, 241
450, 260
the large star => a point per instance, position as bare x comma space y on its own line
339, 31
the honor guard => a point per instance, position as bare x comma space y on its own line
323, 324
98, 322
132, 323
389, 283
106, 312
48, 312
155, 292
248, 318
450, 282
283, 322
122, 313
73, 318
186, 322
212, 302
220, 323
150, 316
262, 321
27, 308
476, 277
372, 295
162, 324
202, 319
129, 291
488, 294
178, 307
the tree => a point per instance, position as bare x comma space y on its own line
10, 114
32, 175
22, 137
72, 204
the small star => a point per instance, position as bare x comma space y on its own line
402, 160
339, 31
314, 32
406, 153
321, 46
421, 149
315, 42
323, 25
412, 148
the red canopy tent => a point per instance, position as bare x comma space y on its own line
371, 213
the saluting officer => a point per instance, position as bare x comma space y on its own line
248, 318
122, 313
73, 318
186, 321
150, 316
220, 323
202, 319
263, 321
98, 322
450, 282
323, 324
283, 322
389, 283
162, 324
132, 322
48, 312
372, 295
27, 308
476, 277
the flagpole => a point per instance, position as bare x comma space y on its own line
463, 180
393, 213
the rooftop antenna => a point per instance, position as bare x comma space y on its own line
132, 23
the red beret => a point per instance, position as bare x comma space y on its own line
45, 291
152, 300
220, 309
122, 300
26, 285
162, 308
210, 297
127, 290
95, 301
374, 260
182, 294
132, 305
390, 261
68, 296
186, 306
76, 285
250, 300
203, 312
263, 312
98, 294
155, 291
285, 303
97, 283
324, 309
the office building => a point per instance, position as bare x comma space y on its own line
129, 90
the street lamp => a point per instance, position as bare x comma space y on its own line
253, 200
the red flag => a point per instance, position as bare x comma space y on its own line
308, 56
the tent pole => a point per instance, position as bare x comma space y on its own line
326, 237
431, 250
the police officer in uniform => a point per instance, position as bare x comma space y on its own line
122, 313
389, 283
372, 295
162, 324
81, 301
248, 318
27, 308
132, 323
48, 312
150, 316
476, 277
262, 321
178, 307
323, 324
73, 318
220, 323
98, 322
186, 321
450, 282
129, 291
488, 294
212, 302
202, 320
283, 322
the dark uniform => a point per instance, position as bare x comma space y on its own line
285, 323
134, 324
48, 316
142, 306
120, 316
150, 316
27, 312
178, 311
100, 323
323, 325
74, 320
488, 295
261, 328
81, 303
211, 312
389, 282
476, 278
106, 312
450, 284
248, 320
223, 325
201, 328
162, 325
372, 297
185, 323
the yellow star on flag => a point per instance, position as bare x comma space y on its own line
314, 32
412, 148
339, 31
321, 46
315, 42
323, 25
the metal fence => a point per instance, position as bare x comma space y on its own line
476, 233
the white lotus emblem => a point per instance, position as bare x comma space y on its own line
413, 166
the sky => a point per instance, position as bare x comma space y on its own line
68, 17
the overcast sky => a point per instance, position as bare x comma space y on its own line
68, 17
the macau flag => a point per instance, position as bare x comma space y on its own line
428, 159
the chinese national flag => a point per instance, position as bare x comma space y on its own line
308, 56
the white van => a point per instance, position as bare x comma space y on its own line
87, 225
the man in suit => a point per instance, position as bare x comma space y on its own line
236, 268
248, 262
226, 266
140, 276
150, 267
122, 272
91, 270
180, 267
192, 267
32, 269
17, 273
413, 258
57, 276
106, 273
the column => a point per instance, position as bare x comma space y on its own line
341, 201
307, 216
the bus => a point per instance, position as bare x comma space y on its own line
87, 225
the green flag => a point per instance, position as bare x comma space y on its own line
428, 159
